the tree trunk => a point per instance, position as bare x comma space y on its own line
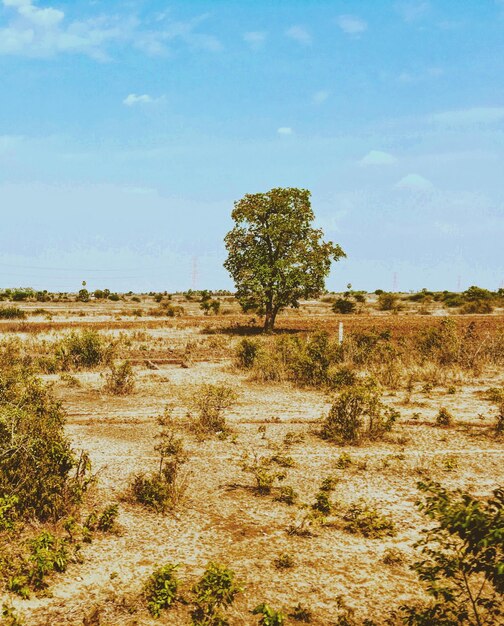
269, 319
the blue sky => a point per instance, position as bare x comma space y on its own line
127, 130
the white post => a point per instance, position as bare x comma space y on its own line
340, 337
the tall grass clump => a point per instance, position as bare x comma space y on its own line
209, 403
11, 313
84, 349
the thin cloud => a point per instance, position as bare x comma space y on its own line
412, 11
319, 97
299, 34
45, 32
255, 39
285, 130
414, 182
133, 99
378, 157
351, 25
469, 117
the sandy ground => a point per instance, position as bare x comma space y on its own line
223, 520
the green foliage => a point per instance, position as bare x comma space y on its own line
83, 295
268, 616
9, 617
12, 312
343, 306
84, 349
8, 512
105, 522
164, 489
246, 353
362, 519
287, 495
36, 460
264, 475
216, 590
275, 256
160, 591
462, 561
356, 414
210, 402
387, 301
120, 379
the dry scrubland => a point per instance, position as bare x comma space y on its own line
251, 496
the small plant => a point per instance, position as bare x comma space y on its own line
10, 617
344, 461
216, 590
8, 512
264, 476
284, 561
120, 379
84, 349
69, 380
393, 556
105, 522
450, 463
161, 588
444, 417
210, 402
287, 495
356, 414
301, 613
365, 520
268, 616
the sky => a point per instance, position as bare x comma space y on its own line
128, 129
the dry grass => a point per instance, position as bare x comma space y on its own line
222, 518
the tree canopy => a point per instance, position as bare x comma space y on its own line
275, 255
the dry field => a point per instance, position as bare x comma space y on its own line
222, 518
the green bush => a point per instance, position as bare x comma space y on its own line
268, 616
210, 403
37, 464
387, 301
216, 590
362, 519
160, 591
84, 349
12, 312
120, 379
357, 414
462, 558
246, 353
343, 306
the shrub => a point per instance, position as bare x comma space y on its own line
268, 616
164, 489
301, 613
210, 402
105, 522
387, 301
393, 556
444, 417
86, 348
341, 376
246, 353
12, 312
216, 590
462, 558
8, 512
264, 476
365, 520
284, 561
496, 396
358, 413
287, 495
160, 591
120, 380
36, 460
476, 307
343, 306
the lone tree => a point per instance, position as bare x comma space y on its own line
276, 257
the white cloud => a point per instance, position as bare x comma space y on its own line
412, 11
377, 157
255, 39
469, 117
414, 182
299, 34
133, 99
44, 32
351, 24
285, 130
319, 97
